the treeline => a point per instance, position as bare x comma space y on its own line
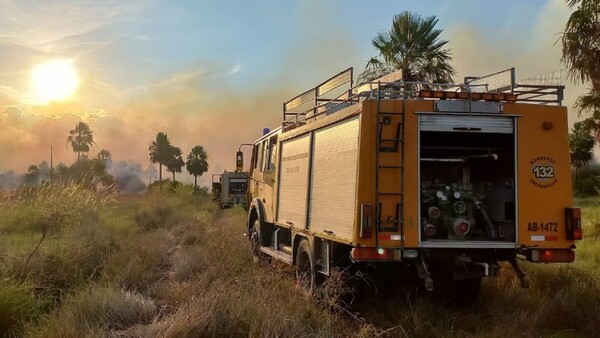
586, 173
127, 176
167, 155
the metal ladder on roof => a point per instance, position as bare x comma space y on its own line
387, 148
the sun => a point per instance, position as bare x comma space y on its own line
54, 80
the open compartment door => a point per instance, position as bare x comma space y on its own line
467, 173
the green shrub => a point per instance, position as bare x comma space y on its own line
158, 216
77, 258
589, 182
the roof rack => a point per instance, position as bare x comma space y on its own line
528, 90
316, 96
315, 104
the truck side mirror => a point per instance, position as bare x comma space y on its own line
239, 161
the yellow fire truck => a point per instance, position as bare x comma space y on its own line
445, 180
230, 188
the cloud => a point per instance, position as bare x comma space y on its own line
9, 93
236, 69
174, 80
43, 25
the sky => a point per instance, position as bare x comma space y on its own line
215, 73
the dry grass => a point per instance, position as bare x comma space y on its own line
171, 264
96, 310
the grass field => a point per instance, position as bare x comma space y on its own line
169, 263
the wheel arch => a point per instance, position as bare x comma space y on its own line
297, 238
256, 211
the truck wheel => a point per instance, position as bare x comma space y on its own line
305, 267
254, 236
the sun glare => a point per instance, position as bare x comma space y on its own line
54, 81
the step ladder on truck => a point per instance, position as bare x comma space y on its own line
447, 179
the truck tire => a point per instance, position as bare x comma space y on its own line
255, 242
305, 267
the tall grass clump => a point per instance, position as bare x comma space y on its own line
60, 212
51, 244
167, 204
139, 263
18, 305
96, 310
214, 288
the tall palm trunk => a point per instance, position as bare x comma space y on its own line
159, 171
195, 182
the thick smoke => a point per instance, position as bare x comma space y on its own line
9, 180
128, 176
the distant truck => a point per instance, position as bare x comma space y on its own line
230, 188
439, 181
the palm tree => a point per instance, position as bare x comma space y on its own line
175, 162
412, 45
81, 139
197, 163
581, 55
581, 143
589, 104
160, 150
581, 43
104, 155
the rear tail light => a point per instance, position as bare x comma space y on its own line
366, 221
573, 224
461, 227
375, 254
551, 255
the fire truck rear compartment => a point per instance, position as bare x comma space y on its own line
467, 185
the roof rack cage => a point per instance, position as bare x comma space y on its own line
313, 103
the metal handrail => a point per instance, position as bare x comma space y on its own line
410, 89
